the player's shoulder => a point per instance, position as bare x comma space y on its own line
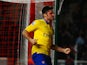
38, 20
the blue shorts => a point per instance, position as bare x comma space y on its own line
41, 59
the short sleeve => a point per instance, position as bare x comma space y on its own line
33, 26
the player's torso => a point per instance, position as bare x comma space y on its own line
43, 35
44, 32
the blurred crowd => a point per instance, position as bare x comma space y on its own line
72, 30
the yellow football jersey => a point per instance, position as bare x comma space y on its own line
43, 34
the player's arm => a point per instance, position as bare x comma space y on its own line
30, 28
27, 36
60, 49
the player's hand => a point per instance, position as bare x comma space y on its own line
33, 41
67, 50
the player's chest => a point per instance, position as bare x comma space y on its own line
46, 28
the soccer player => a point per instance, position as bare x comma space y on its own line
42, 40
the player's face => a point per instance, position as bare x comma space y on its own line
50, 15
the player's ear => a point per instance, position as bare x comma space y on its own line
44, 14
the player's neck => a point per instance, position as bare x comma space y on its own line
47, 20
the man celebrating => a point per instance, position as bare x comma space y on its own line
42, 40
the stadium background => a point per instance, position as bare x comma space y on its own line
69, 25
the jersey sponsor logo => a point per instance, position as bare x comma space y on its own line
46, 35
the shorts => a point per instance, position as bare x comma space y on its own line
41, 59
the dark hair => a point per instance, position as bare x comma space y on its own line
46, 8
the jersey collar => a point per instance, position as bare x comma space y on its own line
46, 21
